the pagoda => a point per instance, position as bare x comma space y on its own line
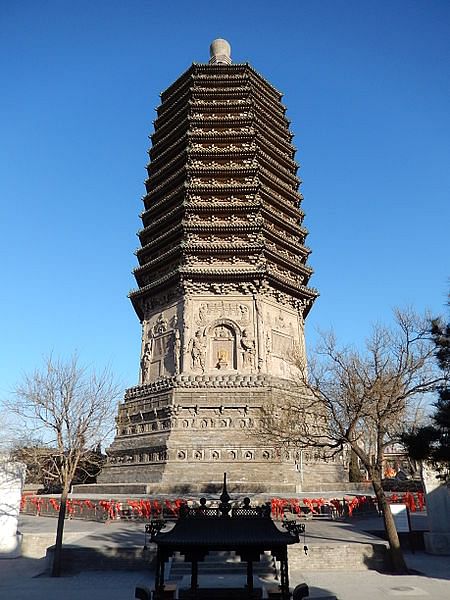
222, 290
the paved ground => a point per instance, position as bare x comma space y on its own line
22, 579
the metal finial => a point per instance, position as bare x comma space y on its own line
220, 52
225, 498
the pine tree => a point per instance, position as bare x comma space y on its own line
432, 442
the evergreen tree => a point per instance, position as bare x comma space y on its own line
433, 441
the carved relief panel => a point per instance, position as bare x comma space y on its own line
283, 338
161, 345
220, 335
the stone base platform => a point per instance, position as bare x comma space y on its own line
206, 487
119, 545
215, 487
437, 543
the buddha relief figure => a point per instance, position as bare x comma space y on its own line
249, 350
197, 348
176, 351
145, 363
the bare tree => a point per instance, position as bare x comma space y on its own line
73, 409
353, 397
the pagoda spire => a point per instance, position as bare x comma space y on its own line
220, 52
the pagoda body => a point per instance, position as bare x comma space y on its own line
222, 289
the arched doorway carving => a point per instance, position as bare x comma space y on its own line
223, 336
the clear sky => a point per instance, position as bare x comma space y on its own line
367, 89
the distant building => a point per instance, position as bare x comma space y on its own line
222, 289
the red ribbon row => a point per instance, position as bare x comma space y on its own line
146, 509
278, 505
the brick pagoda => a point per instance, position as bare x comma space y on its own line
222, 288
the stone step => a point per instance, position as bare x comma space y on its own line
220, 594
325, 556
340, 487
349, 556
76, 559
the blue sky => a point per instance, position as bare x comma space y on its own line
367, 90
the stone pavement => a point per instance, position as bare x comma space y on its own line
23, 578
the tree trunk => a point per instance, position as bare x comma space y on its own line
398, 562
56, 568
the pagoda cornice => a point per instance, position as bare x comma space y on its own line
218, 120
151, 287
231, 207
221, 197
260, 80
156, 170
277, 122
261, 141
157, 204
167, 183
293, 211
220, 171
272, 180
270, 192
282, 143
162, 123
287, 180
279, 216
224, 93
222, 227
212, 111
157, 259
286, 251
244, 134
222, 167
226, 72
278, 113
160, 141
164, 219
229, 273
289, 244
271, 162
287, 276
162, 154
288, 284
163, 108
289, 228
236, 71
292, 263
224, 247
220, 105
183, 81
224, 77
163, 238
216, 185
230, 150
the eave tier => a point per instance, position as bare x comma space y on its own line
216, 281
195, 203
207, 73
225, 132
201, 103
259, 154
222, 259
246, 142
